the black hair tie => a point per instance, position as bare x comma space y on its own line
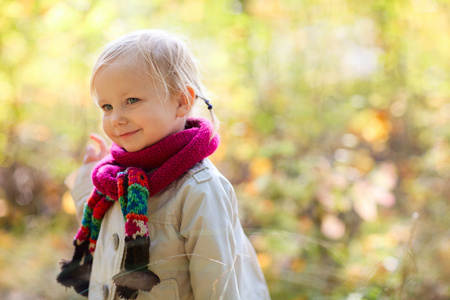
206, 102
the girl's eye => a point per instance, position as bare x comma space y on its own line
132, 100
107, 107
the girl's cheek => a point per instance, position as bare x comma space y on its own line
105, 126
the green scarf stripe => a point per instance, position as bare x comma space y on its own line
123, 206
137, 199
87, 216
96, 223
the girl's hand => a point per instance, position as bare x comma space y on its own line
91, 155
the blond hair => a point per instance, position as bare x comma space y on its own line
166, 58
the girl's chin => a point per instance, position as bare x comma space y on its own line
133, 148
129, 147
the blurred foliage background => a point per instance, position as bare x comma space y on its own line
335, 133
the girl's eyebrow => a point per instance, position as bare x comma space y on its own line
101, 102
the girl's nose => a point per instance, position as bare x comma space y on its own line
118, 118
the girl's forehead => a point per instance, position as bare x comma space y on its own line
123, 77
125, 69
125, 66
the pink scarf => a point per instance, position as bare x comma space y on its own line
171, 157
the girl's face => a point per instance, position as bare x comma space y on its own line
134, 116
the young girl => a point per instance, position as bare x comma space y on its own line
156, 183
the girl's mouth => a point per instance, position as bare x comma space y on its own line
128, 134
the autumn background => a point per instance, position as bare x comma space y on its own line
335, 133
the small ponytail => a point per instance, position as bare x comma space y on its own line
214, 119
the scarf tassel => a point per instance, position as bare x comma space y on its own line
136, 275
76, 274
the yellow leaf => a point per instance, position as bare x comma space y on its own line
268, 9
298, 265
67, 204
265, 260
260, 166
372, 125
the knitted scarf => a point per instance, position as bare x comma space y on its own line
131, 178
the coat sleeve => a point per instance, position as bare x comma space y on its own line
209, 216
80, 184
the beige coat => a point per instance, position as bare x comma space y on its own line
198, 247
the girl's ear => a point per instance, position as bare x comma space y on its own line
185, 101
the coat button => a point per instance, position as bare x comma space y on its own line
105, 291
115, 241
